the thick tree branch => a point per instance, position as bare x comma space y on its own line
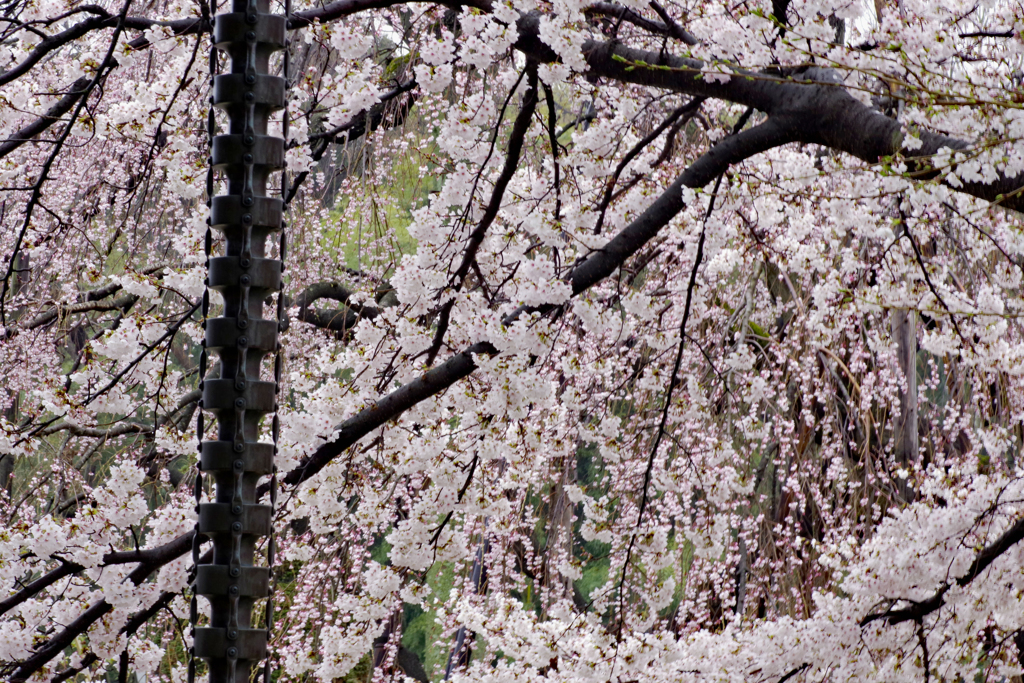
821, 112
670, 30
828, 114
52, 115
96, 432
340, 320
918, 610
320, 290
744, 145
431, 383
675, 30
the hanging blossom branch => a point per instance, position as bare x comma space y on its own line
828, 115
765, 129
591, 271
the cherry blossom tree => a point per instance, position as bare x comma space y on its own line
625, 341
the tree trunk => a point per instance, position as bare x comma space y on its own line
904, 333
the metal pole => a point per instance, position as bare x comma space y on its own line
245, 157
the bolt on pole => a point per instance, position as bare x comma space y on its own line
245, 217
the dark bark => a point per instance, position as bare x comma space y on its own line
340, 321
668, 29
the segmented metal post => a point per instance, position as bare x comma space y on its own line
245, 157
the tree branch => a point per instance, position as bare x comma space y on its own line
341, 320
55, 42
513, 151
688, 109
52, 115
155, 558
171, 331
919, 610
371, 119
669, 30
821, 113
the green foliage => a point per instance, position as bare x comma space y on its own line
380, 550
422, 633
361, 672
595, 575
370, 227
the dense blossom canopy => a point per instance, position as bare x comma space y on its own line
668, 340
